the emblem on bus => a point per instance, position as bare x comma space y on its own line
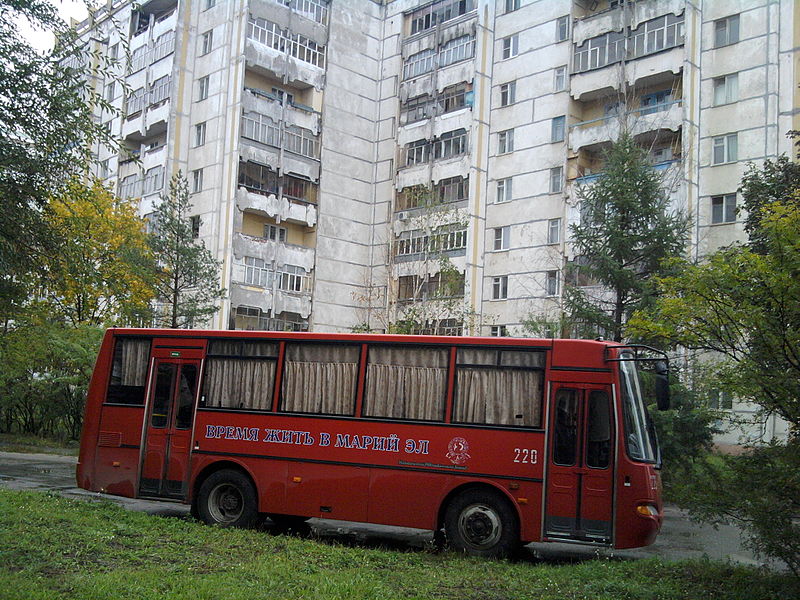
457, 451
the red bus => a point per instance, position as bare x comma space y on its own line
495, 441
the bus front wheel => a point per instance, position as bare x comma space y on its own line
227, 498
480, 522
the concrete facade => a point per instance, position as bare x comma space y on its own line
306, 128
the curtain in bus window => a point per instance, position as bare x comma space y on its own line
498, 397
234, 383
406, 383
129, 372
320, 379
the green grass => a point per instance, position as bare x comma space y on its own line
21, 442
52, 547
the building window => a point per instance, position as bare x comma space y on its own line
554, 231
501, 235
499, 331
419, 63
551, 285
199, 134
456, 50
202, 88
439, 12
560, 79
153, 180
723, 209
504, 189
725, 149
505, 141
512, 5
275, 233
726, 89
508, 93
726, 31
194, 223
206, 42
197, 181
510, 46
209, 4
721, 400
257, 272
110, 92
103, 169
164, 46
562, 28
652, 103
159, 90
135, 102
556, 179
557, 129
500, 287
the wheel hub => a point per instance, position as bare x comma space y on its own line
480, 526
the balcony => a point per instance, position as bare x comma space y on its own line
271, 105
271, 275
652, 47
280, 209
665, 116
281, 53
285, 147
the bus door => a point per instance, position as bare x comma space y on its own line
168, 435
580, 479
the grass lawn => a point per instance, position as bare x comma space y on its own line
52, 547
20, 442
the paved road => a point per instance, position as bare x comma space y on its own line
679, 538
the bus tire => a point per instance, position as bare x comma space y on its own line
481, 522
227, 498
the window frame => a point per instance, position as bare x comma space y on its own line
510, 46
723, 209
500, 287
505, 192
505, 141
501, 237
724, 143
508, 93
723, 26
558, 129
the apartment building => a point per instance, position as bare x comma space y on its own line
356, 163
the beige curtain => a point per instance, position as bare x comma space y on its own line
405, 392
242, 348
498, 397
234, 383
135, 359
320, 387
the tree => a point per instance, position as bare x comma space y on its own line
626, 232
47, 132
100, 268
187, 275
740, 308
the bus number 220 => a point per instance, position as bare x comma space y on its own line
525, 456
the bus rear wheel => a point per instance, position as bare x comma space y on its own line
480, 522
227, 498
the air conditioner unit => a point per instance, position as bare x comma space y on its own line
403, 215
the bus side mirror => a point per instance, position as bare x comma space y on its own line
662, 385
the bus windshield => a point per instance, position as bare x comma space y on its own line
640, 440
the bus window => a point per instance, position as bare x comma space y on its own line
565, 430
241, 375
499, 387
406, 383
128, 372
598, 442
188, 385
320, 378
162, 395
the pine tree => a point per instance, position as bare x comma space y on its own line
626, 232
187, 274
